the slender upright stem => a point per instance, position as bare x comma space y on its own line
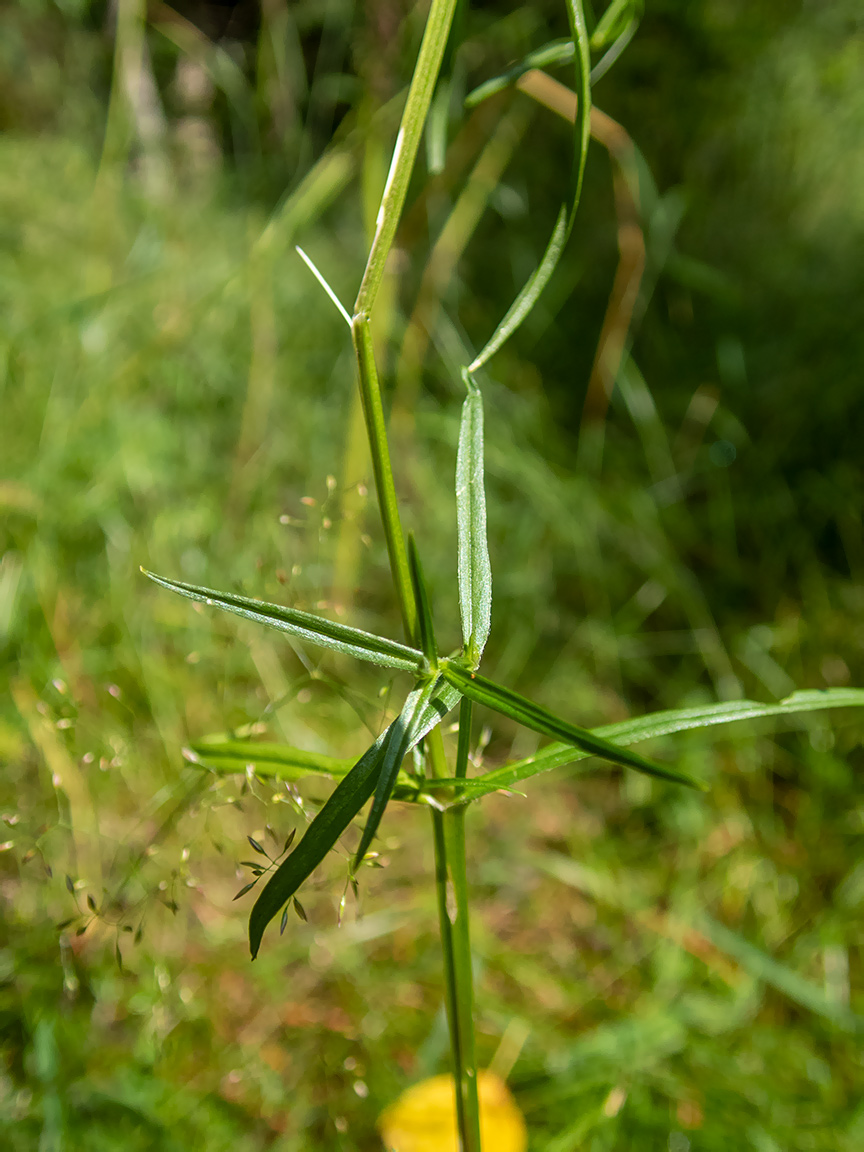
376, 429
410, 130
448, 827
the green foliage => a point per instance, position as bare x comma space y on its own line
662, 967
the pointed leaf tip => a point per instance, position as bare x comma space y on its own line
304, 625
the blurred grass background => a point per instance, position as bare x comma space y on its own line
655, 970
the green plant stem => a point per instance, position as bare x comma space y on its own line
410, 131
448, 827
458, 954
376, 430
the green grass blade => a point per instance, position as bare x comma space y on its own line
622, 893
410, 132
762, 966
615, 21
277, 760
475, 572
314, 629
424, 611
484, 691
529, 295
663, 724
347, 799
555, 52
399, 738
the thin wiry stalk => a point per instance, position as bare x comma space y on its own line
448, 829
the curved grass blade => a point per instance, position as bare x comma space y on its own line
475, 572
424, 612
399, 737
529, 295
615, 21
483, 691
314, 629
659, 724
555, 52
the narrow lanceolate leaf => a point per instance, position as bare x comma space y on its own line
475, 572
305, 626
279, 760
348, 798
398, 741
529, 295
509, 703
628, 732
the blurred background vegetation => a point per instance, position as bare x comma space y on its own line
655, 969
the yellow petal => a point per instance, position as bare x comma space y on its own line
423, 1119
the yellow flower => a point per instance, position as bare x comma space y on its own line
423, 1119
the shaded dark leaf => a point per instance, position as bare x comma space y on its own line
284, 923
257, 846
300, 910
347, 799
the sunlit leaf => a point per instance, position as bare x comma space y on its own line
475, 572
627, 732
280, 760
484, 691
303, 625
398, 741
